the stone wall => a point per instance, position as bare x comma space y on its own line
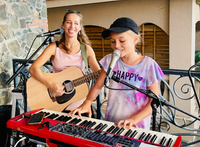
20, 22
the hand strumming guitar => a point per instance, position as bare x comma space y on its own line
56, 89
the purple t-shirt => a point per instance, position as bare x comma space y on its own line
123, 104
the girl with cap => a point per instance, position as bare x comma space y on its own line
65, 53
126, 107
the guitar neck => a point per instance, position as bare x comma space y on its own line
85, 78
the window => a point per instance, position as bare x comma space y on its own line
155, 44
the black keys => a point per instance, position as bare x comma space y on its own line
83, 123
47, 113
87, 124
120, 131
147, 137
60, 117
76, 121
73, 120
63, 118
55, 116
52, 116
66, 118
110, 129
169, 143
98, 126
133, 134
142, 136
153, 139
103, 127
92, 124
115, 130
128, 133
163, 140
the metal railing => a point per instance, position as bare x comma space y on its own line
180, 92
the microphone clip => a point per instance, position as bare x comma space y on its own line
106, 81
115, 78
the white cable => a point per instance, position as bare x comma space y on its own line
19, 141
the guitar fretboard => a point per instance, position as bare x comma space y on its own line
86, 78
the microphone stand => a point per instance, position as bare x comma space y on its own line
155, 102
25, 72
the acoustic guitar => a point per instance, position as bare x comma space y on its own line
39, 96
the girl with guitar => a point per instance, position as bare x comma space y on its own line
65, 53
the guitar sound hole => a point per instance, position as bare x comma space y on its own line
69, 87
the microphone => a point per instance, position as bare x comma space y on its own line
115, 57
51, 33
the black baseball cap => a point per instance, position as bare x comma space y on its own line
121, 25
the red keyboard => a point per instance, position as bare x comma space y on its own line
59, 128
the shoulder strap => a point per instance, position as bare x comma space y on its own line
57, 44
84, 54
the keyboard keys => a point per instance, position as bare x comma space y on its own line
169, 142
148, 137
162, 142
142, 136
133, 134
92, 124
111, 128
103, 127
98, 126
128, 133
115, 130
110, 131
120, 131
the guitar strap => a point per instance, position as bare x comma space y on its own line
84, 54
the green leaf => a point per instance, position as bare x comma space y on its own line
197, 56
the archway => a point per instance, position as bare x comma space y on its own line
154, 43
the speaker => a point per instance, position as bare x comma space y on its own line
5, 115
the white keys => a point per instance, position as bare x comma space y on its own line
109, 124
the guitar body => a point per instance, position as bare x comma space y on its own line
38, 95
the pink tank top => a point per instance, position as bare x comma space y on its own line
62, 61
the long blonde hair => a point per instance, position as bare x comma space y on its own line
82, 37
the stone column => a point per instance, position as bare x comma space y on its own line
20, 22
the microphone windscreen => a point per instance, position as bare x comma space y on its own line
61, 31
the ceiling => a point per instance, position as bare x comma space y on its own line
61, 3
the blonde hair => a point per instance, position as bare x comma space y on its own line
82, 37
133, 34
